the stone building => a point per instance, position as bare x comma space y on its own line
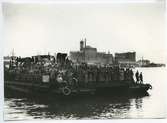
90, 55
126, 59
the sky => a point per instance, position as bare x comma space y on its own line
34, 28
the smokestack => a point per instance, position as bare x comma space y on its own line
85, 42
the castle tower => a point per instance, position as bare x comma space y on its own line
81, 45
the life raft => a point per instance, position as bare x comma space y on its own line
66, 91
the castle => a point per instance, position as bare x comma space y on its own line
90, 55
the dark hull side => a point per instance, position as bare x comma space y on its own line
44, 89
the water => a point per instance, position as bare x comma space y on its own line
152, 106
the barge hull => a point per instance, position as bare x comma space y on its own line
47, 89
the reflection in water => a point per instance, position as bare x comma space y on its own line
80, 108
138, 103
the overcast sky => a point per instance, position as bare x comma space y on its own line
41, 28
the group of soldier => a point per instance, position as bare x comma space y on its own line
85, 73
92, 73
139, 77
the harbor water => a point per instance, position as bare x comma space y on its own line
94, 107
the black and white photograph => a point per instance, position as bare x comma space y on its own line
84, 60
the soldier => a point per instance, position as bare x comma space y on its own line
52, 75
141, 78
131, 75
86, 76
89, 71
121, 74
95, 73
103, 74
108, 74
137, 76
128, 74
111, 74
80, 75
116, 73
98, 75
125, 74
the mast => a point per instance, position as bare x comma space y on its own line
84, 52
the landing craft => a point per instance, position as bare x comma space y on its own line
45, 75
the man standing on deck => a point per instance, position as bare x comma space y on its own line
131, 75
141, 78
137, 76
